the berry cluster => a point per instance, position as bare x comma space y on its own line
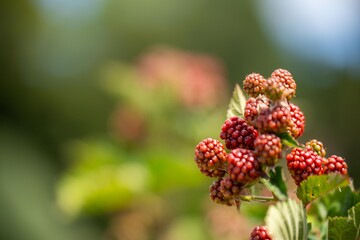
312, 161
271, 110
254, 140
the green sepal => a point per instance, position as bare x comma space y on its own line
276, 183
288, 140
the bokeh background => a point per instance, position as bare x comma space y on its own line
103, 102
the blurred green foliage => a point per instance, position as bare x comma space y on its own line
70, 73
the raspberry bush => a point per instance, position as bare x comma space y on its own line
261, 153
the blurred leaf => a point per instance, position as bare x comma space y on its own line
104, 189
341, 228
171, 171
92, 154
254, 210
318, 229
237, 103
276, 183
289, 141
335, 203
27, 178
317, 186
354, 214
287, 220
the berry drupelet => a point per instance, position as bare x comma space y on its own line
335, 164
210, 157
287, 81
302, 163
237, 133
276, 119
274, 89
317, 147
229, 188
243, 166
268, 149
253, 84
298, 119
254, 109
217, 196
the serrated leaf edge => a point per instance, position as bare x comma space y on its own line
237, 103
330, 178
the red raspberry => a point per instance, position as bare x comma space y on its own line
268, 149
298, 119
275, 120
260, 233
317, 147
254, 108
243, 167
253, 84
287, 80
274, 89
237, 133
335, 164
217, 196
302, 163
229, 188
210, 157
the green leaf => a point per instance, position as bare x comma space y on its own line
237, 103
317, 186
289, 141
354, 215
335, 203
341, 228
276, 183
287, 221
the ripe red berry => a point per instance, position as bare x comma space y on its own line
253, 84
287, 80
217, 196
298, 119
268, 149
275, 120
237, 133
243, 166
302, 163
260, 233
210, 157
254, 108
335, 164
317, 147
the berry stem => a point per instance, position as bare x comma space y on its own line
250, 198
